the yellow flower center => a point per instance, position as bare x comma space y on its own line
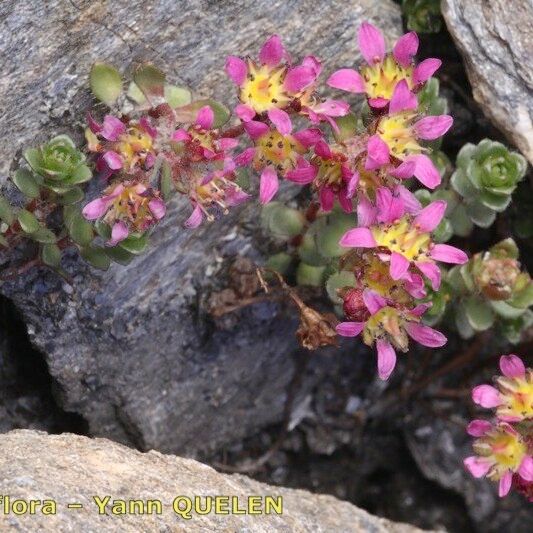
387, 322
380, 79
396, 131
329, 170
278, 150
404, 238
131, 207
202, 138
517, 395
263, 88
133, 146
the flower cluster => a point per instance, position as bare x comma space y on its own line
504, 448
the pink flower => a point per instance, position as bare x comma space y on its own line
384, 71
389, 327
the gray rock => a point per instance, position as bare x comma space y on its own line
72, 469
132, 349
495, 38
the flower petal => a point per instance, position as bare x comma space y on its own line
410, 201
352, 183
255, 129
236, 69
366, 212
429, 218
425, 335
95, 209
180, 136
269, 185
399, 265
195, 219
389, 207
157, 207
477, 466
371, 43
486, 395
347, 79
349, 329
431, 271
298, 78
205, 117
112, 160
272, 51
118, 233
332, 108
112, 128
505, 484
386, 358
425, 69
326, 198
402, 99
373, 301
478, 428
526, 468
244, 112
405, 170
425, 171
303, 174
245, 158
512, 366
358, 238
377, 153
308, 137
405, 48
281, 120
431, 128
448, 254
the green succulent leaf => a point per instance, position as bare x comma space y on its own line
72, 196
348, 125
310, 275
177, 96
167, 185
330, 229
460, 221
465, 330
27, 183
505, 310
51, 255
135, 94
96, 257
80, 230
7, 214
44, 235
150, 80
106, 83
119, 255
28, 222
338, 281
308, 252
423, 16
523, 298
481, 215
282, 222
135, 244
479, 314
279, 262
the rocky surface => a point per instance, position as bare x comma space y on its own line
132, 350
495, 38
72, 469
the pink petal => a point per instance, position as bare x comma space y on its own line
431, 271
386, 358
112, 128
399, 265
303, 174
118, 233
410, 201
349, 329
373, 301
272, 51
425, 335
405, 170
180, 136
425, 171
269, 185
366, 212
322, 149
345, 202
526, 468
424, 70
420, 309
486, 396
371, 43
244, 112
389, 207
512, 366
228, 143
144, 123
236, 69
281, 120
415, 287
205, 118
358, 238
405, 48
95, 209
332, 108
431, 128
351, 186
378, 103
298, 78
308, 137
94, 126
448, 254
256, 129
505, 484
402, 99
236, 196
377, 153
478, 428
195, 219
326, 198
347, 79
245, 158
477, 466
313, 63
112, 160
158, 208
429, 218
